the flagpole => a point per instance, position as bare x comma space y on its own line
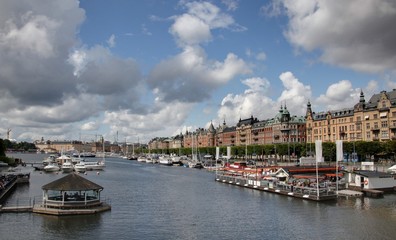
318, 153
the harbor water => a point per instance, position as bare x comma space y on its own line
152, 201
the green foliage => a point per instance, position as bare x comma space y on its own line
2, 148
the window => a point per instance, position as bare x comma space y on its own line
393, 114
384, 124
359, 119
375, 116
384, 134
368, 135
351, 119
383, 104
367, 125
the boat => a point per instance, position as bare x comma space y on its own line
176, 160
67, 166
141, 158
149, 160
97, 165
80, 167
164, 160
194, 164
51, 167
50, 159
392, 169
3, 164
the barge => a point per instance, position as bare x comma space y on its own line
281, 188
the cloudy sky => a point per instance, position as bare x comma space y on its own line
134, 70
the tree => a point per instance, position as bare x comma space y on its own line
2, 148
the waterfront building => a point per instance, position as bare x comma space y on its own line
374, 120
244, 131
225, 135
200, 137
75, 146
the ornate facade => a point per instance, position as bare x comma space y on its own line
374, 120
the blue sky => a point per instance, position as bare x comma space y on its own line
132, 70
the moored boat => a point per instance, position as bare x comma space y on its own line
67, 166
80, 167
164, 160
51, 167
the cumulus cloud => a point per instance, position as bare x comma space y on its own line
338, 96
295, 94
253, 101
355, 34
151, 124
256, 99
49, 79
191, 76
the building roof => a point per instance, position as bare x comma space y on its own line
72, 182
367, 173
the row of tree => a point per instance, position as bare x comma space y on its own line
16, 146
363, 150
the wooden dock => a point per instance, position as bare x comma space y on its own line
16, 209
373, 193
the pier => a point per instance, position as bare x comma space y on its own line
309, 193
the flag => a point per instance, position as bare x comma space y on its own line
340, 155
228, 152
318, 150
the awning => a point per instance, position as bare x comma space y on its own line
383, 114
366, 117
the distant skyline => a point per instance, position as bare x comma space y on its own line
137, 70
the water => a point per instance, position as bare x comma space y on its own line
160, 202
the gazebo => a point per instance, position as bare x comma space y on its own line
71, 194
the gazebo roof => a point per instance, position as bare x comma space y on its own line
72, 182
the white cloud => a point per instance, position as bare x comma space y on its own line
190, 30
295, 95
261, 56
338, 96
111, 41
150, 125
355, 34
232, 5
191, 77
254, 101
90, 126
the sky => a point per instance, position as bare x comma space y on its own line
135, 70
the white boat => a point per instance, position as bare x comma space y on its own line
80, 167
195, 164
67, 166
51, 167
149, 160
392, 169
164, 160
50, 159
3, 164
176, 160
98, 165
141, 159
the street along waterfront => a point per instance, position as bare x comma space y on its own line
151, 201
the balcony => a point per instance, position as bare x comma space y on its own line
392, 126
393, 137
375, 129
375, 138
